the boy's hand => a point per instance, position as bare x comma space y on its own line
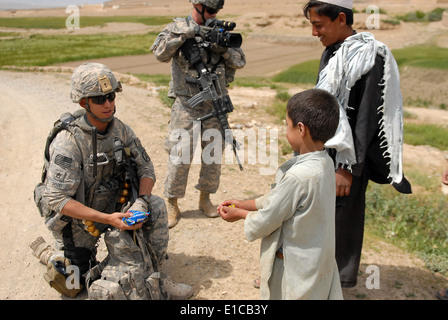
248, 205
227, 203
231, 214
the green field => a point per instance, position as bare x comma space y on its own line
422, 57
41, 50
59, 22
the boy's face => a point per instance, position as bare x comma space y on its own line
329, 32
293, 134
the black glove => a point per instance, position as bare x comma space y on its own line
218, 49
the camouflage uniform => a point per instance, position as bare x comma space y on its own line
70, 151
71, 164
167, 47
131, 269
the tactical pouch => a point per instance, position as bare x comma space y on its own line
124, 275
38, 195
56, 221
105, 197
106, 290
56, 276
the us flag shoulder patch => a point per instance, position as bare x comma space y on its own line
63, 161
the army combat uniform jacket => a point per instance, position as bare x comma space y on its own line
71, 165
167, 47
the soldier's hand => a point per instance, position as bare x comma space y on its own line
139, 205
197, 31
116, 220
218, 49
201, 31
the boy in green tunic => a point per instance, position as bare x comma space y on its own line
295, 220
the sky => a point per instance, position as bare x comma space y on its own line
39, 4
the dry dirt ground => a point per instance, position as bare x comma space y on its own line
210, 254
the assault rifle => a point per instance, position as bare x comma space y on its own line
211, 91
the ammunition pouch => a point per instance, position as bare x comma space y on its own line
105, 197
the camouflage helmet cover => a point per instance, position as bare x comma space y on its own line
214, 4
92, 79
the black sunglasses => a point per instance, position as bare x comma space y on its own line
211, 10
102, 99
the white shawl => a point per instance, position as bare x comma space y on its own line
352, 60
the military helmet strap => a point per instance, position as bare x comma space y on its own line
202, 13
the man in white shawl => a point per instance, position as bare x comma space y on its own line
363, 75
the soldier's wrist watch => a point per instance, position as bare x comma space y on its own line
145, 198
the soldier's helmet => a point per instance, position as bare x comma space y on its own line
214, 4
91, 80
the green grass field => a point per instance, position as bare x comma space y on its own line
422, 57
426, 134
59, 22
305, 72
41, 50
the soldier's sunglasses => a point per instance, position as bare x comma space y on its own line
102, 99
211, 10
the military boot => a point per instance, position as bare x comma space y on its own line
176, 291
206, 206
42, 250
173, 212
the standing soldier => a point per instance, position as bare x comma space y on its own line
224, 62
90, 168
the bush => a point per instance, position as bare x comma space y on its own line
420, 16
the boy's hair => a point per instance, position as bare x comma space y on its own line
318, 110
329, 10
